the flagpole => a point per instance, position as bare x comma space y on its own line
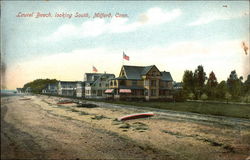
122, 58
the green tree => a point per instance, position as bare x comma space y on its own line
199, 81
211, 85
234, 84
221, 90
246, 87
39, 84
188, 82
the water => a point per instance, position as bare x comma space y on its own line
5, 92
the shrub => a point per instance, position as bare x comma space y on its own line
204, 97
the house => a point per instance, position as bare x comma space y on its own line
96, 84
67, 88
28, 90
51, 89
80, 89
141, 82
178, 85
19, 90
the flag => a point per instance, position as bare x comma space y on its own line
245, 47
125, 56
94, 69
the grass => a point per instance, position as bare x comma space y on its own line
220, 109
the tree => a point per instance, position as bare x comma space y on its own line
246, 87
221, 90
199, 80
211, 85
234, 84
39, 84
188, 82
212, 80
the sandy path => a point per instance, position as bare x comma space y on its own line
168, 135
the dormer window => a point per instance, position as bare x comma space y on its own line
154, 73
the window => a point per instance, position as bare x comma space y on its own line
146, 92
153, 92
100, 84
154, 73
153, 83
146, 83
115, 83
111, 83
134, 83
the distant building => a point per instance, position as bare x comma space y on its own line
28, 90
96, 84
19, 90
177, 85
80, 89
51, 89
141, 82
67, 88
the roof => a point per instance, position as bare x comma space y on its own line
135, 72
119, 78
110, 76
166, 76
91, 77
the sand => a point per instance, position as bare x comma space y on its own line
167, 135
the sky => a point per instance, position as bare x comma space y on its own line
174, 36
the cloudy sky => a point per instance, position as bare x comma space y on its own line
175, 36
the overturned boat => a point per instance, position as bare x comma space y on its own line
66, 102
135, 116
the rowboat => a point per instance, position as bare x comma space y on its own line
65, 102
135, 116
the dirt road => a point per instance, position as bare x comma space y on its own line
40, 129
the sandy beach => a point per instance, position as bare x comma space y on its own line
38, 128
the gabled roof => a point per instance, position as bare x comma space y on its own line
135, 72
166, 76
110, 76
89, 77
147, 69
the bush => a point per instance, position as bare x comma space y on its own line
191, 95
204, 97
228, 96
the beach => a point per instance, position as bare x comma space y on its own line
35, 126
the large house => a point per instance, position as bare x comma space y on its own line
96, 84
67, 88
141, 82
